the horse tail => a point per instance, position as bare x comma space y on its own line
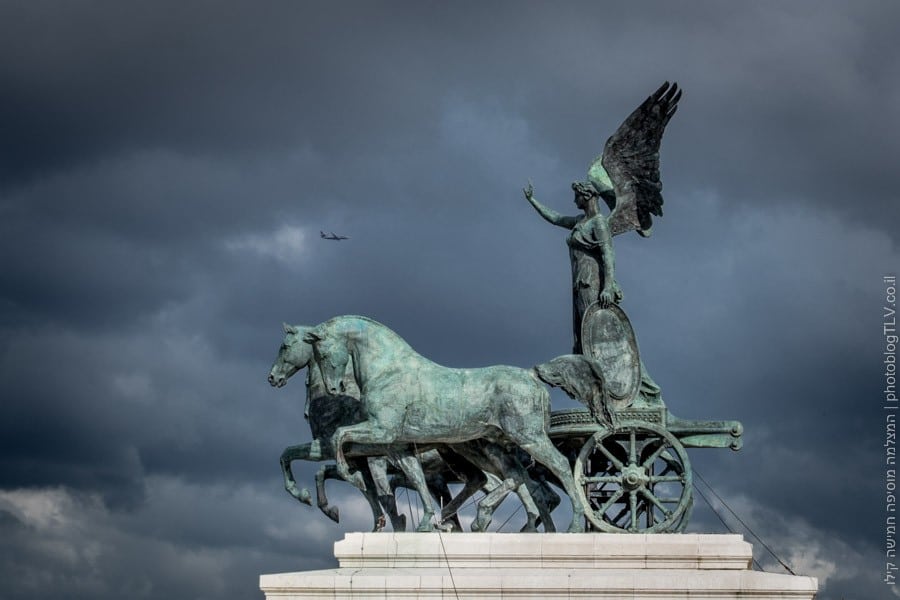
580, 379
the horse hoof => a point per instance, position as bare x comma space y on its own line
401, 523
300, 495
479, 525
379, 524
482, 520
333, 513
528, 528
576, 527
452, 525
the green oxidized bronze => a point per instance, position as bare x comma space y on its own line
389, 417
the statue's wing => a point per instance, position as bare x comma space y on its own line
631, 162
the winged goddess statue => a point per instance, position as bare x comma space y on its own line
626, 177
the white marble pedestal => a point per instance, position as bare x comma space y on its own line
548, 566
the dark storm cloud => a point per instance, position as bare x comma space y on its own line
165, 170
124, 407
59, 538
798, 101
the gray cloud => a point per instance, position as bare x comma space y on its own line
165, 170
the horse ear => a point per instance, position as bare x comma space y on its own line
288, 328
311, 337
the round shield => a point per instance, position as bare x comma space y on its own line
608, 339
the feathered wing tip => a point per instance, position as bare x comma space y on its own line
667, 97
631, 162
581, 380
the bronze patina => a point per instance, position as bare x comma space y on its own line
387, 416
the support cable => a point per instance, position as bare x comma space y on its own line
725, 523
447, 560
741, 521
512, 514
418, 515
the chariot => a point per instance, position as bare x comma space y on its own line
634, 474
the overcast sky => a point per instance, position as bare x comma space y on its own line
165, 168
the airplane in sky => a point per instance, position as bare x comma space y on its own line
332, 236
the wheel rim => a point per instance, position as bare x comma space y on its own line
635, 478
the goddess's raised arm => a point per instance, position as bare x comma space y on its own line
550, 215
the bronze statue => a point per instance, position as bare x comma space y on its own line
476, 465
621, 460
591, 253
410, 400
626, 176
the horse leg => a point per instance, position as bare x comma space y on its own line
477, 454
438, 472
472, 485
544, 496
326, 472
547, 500
511, 468
333, 512
524, 420
397, 481
510, 471
292, 453
371, 495
488, 505
385, 491
473, 477
366, 432
542, 450
441, 490
409, 464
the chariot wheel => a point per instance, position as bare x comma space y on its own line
635, 478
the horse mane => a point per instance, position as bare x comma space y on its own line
334, 321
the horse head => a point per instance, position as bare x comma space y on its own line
293, 355
331, 355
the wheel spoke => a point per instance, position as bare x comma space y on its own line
632, 502
635, 478
599, 490
655, 455
602, 479
615, 461
672, 463
622, 513
632, 446
619, 493
656, 502
661, 478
